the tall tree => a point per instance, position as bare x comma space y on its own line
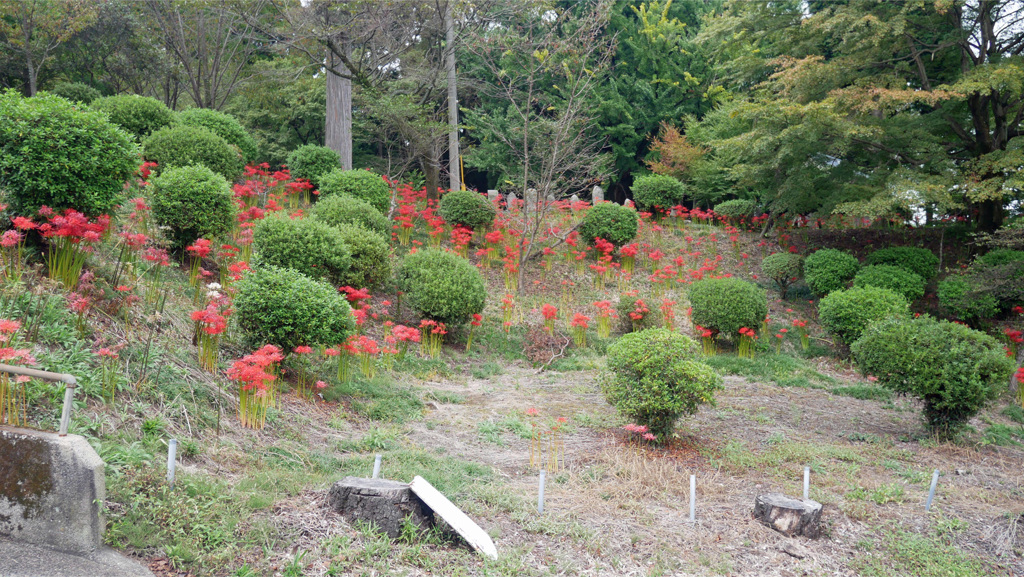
34, 29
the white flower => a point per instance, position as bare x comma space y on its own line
214, 286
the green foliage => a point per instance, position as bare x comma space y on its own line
896, 279
657, 193
194, 202
308, 246
285, 308
829, 270
654, 378
919, 261
371, 257
782, 369
442, 286
378, 399
337, 210
785, 268
361, 184
1001, 257
954, 370
139, 115
468, 208
176, 146
726, 305
76, 92
614, 223
963, 297
735, 209
223, 125
847, 313
57, 154
313, 162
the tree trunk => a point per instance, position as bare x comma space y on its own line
990, 215
431, 165
338, 133
33, 74
454, 160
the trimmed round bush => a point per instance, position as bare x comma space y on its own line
283, 307
963, 297
919, 261
362, 184
657, 193
312, 161
187, 145
371, 257
86, 172
308, 246
726, 305
139, 115
468, 208
954, 370
194, 202
442, 286
339, 209
893, 278
654, 377
628, 304
612, 222
847, 313
735, 209
1000, 257
829, 270
76, 92
223, 125
785, 268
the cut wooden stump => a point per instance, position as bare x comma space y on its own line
385, 504
788, 516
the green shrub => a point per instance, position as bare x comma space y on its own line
963, 297
194, 202
339, 209
76, 92
734, 210
139, 115
628, 304
896, 279
468, 208
187, 145
829, 270
955, 370
919, 261
847, 313
726, 305
371, 257
1001, 257
87, 171
223, 125
308, 246
442, 286
785, 268
362, 184
612, 222
312, 162
283, 307
657, 193
654, 377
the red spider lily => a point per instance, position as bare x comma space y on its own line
549, 311
24, 224
302, 350
200, 248
580, 320
355, 295
11, 238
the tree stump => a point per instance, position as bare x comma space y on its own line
788, 516
385, 504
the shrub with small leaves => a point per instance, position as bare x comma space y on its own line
188, 145
468, 208
964, 297
893, 278
785, 268
76, 92
727, 305
829, 270
919, 261
1000, 257
637, 314
312, 162
139, 115
442, 286
657, 193
283, 307
223, 125
612, 222
340, 209
736, 209
847, 313
371, 257
362, 184
954, 370
193, 202
308, 246
654, 377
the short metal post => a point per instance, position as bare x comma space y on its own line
376, 466
693, 498
540, 493
931, 490
65, 413
807, 483
172, 453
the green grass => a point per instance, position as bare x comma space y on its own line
1015, 413
379, 398
1003, 435
902, 553
782, 369
863, 392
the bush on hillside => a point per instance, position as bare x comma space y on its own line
442, 286
919, 261
362, 184
193, 202
188, 145
468, 208
964, 297
655, 376
612, 222
223, 125
847, 313
1000, 257
829, 270
737, 209
784, 268
893, 278
312, 162
76, 92
726, 305
139, 115
371, 257
657, 193
86, 172
308, 246
340, 209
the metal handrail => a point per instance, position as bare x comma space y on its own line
70, 382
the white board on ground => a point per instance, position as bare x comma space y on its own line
452, 515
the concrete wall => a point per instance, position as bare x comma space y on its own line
51, 490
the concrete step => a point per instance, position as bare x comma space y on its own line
25, 560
